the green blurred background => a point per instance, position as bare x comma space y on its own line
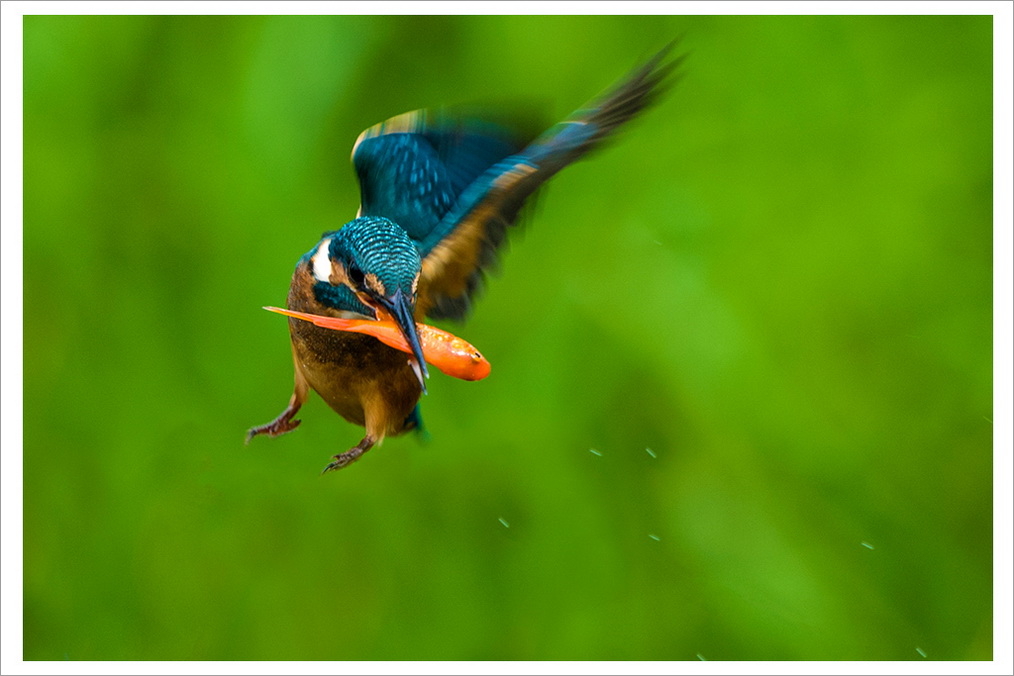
778, 280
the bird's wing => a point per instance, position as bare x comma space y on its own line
462, 245
413, 167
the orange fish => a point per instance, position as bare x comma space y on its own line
452, 355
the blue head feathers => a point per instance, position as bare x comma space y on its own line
377, 255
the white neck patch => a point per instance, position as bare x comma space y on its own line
321, 262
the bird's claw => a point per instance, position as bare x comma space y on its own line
350, 456
339, 462
278, 426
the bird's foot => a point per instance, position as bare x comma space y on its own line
350, 456
280, 425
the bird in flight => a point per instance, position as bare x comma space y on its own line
438, 196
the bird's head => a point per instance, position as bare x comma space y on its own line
371, 267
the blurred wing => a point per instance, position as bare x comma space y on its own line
413, 167
457, 250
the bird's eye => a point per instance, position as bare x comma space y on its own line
356, 276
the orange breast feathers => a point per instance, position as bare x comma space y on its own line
452, 355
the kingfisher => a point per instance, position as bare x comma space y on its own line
438, 194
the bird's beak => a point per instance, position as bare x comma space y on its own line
401, 309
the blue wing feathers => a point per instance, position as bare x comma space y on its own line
402, 178
412, 168
457, 186
467, 153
